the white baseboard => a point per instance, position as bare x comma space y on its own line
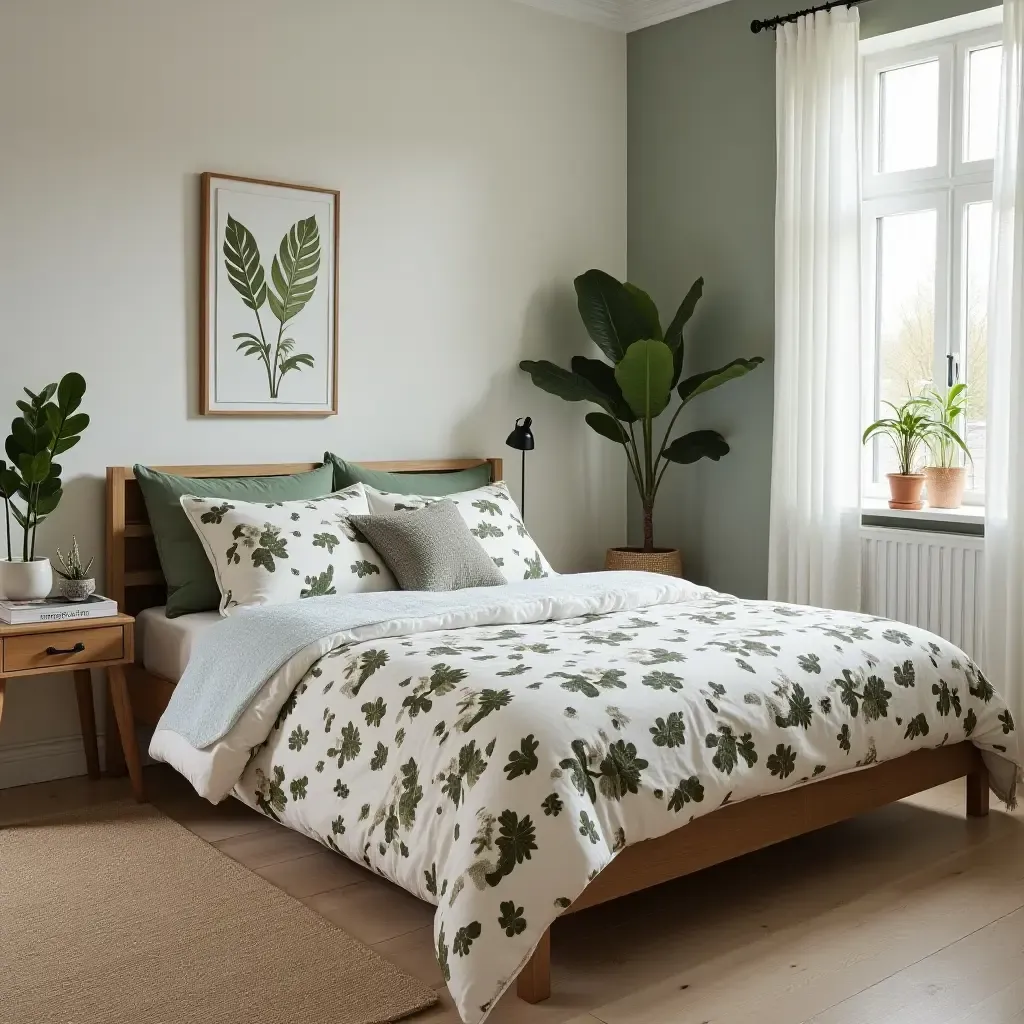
22, 764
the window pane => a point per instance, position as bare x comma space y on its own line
906, 309
983, 70
909, 117
979, 240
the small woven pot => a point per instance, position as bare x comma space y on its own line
76, 590
946, 486
667, 561
905, 491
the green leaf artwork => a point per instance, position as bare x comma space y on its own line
293, 280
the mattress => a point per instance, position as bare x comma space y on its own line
166, 644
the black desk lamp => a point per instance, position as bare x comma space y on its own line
522, 440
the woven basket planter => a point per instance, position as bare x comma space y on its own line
667, 561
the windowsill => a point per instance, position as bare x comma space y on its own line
966, 515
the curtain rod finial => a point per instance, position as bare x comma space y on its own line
756, 26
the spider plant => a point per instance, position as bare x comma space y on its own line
911, 428
948, 409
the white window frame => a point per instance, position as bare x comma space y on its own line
949, 187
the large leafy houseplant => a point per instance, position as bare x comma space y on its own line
636, 385
48, 426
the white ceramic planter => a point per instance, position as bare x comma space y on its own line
25, 581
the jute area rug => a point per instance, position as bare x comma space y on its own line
118, 914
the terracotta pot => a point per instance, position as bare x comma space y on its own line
905, 491
25, 581
946, 486
667, 561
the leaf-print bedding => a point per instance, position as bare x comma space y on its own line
495, 770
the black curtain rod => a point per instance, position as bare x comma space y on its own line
782, 19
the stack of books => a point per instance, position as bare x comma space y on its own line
55, 609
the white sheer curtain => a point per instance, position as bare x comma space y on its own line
815, 505
1004, 484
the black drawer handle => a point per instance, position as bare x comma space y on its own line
77, 649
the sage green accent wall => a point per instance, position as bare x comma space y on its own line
701, 201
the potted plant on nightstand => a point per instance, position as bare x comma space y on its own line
945, 474
48, 426
911, 428
76, 583
633, 389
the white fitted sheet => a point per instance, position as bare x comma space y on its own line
166, 644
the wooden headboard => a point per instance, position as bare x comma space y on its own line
134, 577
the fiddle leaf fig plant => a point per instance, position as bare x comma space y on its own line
636, 385
48, 426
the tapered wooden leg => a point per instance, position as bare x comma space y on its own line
126, 728
977, 793
115, 765
534, 984
87, 718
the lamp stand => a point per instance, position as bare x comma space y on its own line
522, 488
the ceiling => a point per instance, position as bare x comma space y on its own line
622, 15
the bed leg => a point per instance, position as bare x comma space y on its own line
977, 793
534, 984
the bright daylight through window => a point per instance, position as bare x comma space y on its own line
930, 133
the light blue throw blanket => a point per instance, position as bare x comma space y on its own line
236, 657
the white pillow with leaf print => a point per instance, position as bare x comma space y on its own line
281, 552
493, 518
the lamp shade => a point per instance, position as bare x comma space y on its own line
521, 437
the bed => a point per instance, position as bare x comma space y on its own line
591, 787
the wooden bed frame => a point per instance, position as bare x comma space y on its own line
135, 580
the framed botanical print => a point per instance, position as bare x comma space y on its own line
269, 298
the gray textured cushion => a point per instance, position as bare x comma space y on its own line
430, 548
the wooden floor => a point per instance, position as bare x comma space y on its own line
909, 914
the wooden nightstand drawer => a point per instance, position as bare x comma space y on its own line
60, 650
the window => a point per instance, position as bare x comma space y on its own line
930, 115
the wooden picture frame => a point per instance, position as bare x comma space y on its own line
268, 297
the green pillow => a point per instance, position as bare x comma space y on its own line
191, 586
433, 485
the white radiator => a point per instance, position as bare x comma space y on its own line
931, 580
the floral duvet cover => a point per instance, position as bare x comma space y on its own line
494, 771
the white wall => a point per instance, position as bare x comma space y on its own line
479, 146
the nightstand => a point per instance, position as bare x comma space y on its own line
76, 646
